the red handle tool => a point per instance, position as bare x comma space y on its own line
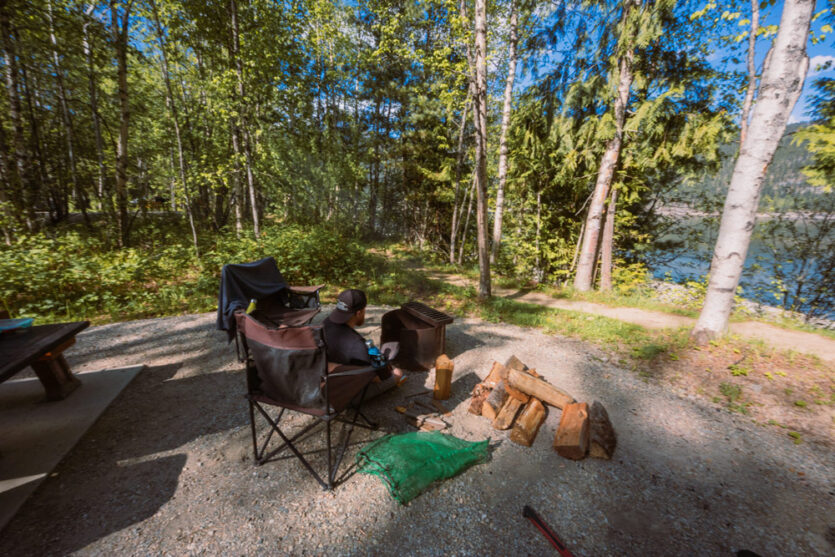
549, 534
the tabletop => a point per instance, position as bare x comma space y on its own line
21, 347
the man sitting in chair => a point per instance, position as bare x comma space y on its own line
346, 346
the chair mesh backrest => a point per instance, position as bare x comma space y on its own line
290, 362
241, 282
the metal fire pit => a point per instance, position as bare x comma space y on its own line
421, 332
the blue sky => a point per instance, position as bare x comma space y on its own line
819, 53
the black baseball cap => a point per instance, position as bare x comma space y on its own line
348, 303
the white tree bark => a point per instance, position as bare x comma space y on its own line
453, 235
175, 119
588, 252
66, 117
245, 138
752, 71
508, 97
94, 108
780, 86
480, 114
119, 28
608, 242
26, 186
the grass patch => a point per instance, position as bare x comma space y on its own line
623, 337
733, 394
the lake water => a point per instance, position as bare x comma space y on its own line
685, 255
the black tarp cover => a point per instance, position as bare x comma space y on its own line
240, 282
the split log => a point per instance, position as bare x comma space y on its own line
528, 423
517, 394
429, 421
507, 414
443, 377
480, 393
494, 402
515, 363
572, 439
602, 438
497, 373
539, 388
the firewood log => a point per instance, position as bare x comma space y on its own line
494, 402
443, 377
572, 439
528, 423
517, 394
497, 373
602, 438
515, 363
480, 392
507, 414
538, 388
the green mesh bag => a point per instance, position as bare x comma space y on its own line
409, 462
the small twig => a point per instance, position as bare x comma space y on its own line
739, 361
421, 393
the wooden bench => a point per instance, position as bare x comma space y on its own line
42, 347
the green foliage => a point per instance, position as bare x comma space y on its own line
732, 391
733, 394
75, 276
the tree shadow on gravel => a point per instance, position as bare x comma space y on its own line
685, 479
127, 466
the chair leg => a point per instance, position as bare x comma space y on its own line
259, 456
351, 425
332, 463
288, 443
331, 471
254, 435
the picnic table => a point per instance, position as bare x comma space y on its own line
42, 347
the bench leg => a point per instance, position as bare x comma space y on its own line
56, 377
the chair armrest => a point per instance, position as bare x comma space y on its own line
349, 372
306, 290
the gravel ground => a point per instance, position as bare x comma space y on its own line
168, 470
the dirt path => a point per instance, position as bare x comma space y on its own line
776, 337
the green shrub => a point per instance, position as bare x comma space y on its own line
75, 275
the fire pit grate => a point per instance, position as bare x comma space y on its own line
427, 314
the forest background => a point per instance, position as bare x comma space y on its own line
144, 144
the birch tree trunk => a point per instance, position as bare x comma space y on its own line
453, 235
94, 109
752, 71
28, 89
780, 86
238, 195
247, 147
466, 221
120, 40
607, 243
6, 213
172, 108
66, 118
591, 236
480, 115
508, 97
21, 155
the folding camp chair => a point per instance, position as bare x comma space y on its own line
287, 368
277, 303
